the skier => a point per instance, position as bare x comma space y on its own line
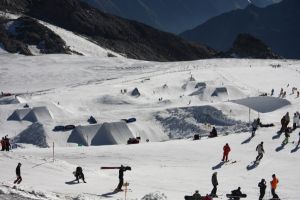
226, 150
260, 150
121, 177
298, 94
295, 121
196, 195
18, 173
213, 133
79, 174
214, 181
274, 184
254, 127
262, 188
3, 144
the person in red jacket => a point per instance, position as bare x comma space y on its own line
226, 150
207, 197
3, 144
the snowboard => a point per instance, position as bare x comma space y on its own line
127, 168
229, 162
230, 196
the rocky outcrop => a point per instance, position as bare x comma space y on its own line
129, 38
247, 46
17, 35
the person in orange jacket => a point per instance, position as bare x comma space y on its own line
274, 184
226, 150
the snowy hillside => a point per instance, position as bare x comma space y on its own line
174, 101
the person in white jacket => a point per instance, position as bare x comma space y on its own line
296, 120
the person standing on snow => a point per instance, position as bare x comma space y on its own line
254, 127
226, 150
18, 173
214, 181
274, 184
287, 119
260, 150
121, 177
295, 121
3, 144
272, 92
262, 188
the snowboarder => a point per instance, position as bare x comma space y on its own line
236, 194
3, 144
196, 195
226, 150
262, 188
295, 121
18, 173
286, 139
272, 92
214, 181
79, 174
260, 150
213, 133
7, 143
254, 127
298, 143
298, 94
121, 177
274, 184
281, 92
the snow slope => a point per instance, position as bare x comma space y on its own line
75, 87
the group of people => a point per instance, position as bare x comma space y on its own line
5, 144
282, 93
237, 193
285, 120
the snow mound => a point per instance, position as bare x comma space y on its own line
35, 134
155, 196
19, 114
40, 114
186, 121
263, 104
82, 135
112, 133
111, 100
220, 91
10, 100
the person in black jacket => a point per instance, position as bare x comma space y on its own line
262, 188
122, 169
237, 194
18, 173
79, 174
214, 181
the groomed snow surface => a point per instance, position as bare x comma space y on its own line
176, 100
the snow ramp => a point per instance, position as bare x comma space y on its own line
38, 114
263, 104
83, 135
19, 114
11, 100
112, 133
35, 134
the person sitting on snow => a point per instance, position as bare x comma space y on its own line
213, 133
196, 195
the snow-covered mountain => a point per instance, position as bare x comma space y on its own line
68, 89
173, 16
